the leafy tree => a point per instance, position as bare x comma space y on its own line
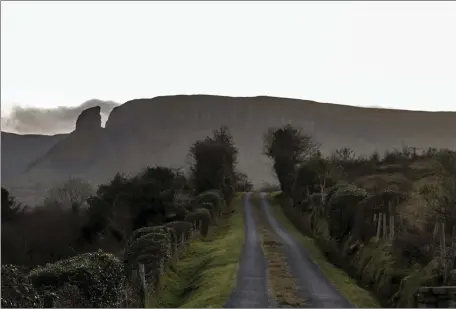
126, 204
213, 162
288, 147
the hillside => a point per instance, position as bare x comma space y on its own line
161, 130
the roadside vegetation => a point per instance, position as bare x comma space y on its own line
389, 220
121, 243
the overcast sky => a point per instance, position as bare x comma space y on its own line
391, 54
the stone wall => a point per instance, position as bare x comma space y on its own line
436, 297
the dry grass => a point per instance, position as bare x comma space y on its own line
348, 286
281, 282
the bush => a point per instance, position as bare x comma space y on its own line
342, 210
69, 296
201, 216
99, 277
213, 197
182, 229
17, 290
152, 249
382, 202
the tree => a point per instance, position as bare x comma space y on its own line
10, 208
72, 194
125, 204
242, 182
343, 154
288, 147
213, 162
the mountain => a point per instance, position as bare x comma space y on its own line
161, 130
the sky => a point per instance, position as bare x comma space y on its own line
384, 54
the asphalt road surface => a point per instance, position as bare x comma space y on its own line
251, 290
316, 288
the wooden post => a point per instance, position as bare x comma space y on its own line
434, 237
443, 252
391, 227
390, 232
379, 224
142, 284
453, 249
375, 217
385, 227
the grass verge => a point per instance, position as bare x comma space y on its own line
348, 286
205, 274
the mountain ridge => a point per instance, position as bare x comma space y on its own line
160, 130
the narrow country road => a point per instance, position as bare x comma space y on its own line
317, 289
251, 290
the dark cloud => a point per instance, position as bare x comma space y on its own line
28, 120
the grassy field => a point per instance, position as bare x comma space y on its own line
341, 280
205, 274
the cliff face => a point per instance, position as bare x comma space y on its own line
79, 150
89, 119
160, 131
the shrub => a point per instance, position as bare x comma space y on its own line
182, 229
213, 197
385, 202
212, 211
152, 249
343, 206
98, 276
200, 216
152, 229
69, 296
17, 290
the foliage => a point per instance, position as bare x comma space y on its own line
99, 277
242, 182
17, 291
72, 194
10, 208
182, 229
213, 163
200, 216
143, 199
214, 198
288, 147
342, 210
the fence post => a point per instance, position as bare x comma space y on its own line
443, 252
392, 227
379, 224
385, 227
142, 284
453, 249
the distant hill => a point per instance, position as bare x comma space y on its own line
161, 130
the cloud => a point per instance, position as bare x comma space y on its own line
33, 120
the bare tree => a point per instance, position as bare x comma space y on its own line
72, 194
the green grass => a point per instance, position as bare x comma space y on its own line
205, 274
358, 296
